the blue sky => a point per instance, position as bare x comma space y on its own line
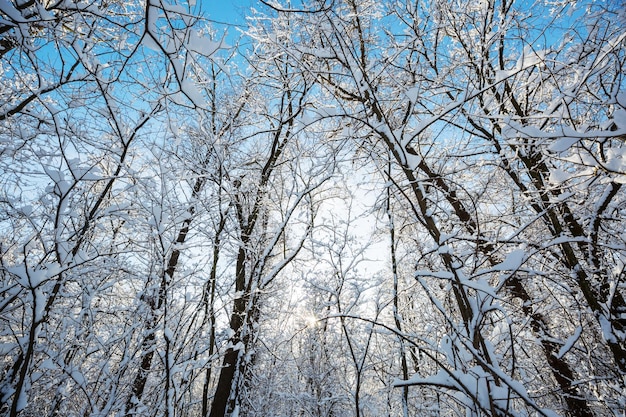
225, 11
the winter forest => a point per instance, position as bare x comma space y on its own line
339, 208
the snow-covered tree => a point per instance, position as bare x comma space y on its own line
355, 208
82, 84
502, 124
